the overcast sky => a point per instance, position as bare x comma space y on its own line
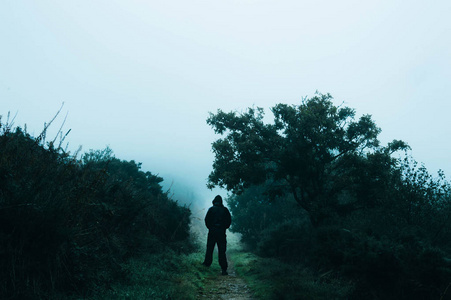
142, 76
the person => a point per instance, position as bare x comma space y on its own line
217, 220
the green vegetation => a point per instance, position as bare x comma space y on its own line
82, 227
326, 211
323, 204
270, 278
162, 276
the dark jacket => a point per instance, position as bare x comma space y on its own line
218, 217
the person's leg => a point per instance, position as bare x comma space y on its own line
210, 247
222, 247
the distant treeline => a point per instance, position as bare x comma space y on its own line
316, 189
68, 224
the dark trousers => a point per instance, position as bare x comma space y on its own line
216, 237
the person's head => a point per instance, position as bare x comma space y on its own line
217, 200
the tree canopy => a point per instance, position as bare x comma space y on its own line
314, 151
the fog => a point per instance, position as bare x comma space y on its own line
142, 76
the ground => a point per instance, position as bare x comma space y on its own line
216, 286
231, 287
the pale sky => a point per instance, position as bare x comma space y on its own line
142, 76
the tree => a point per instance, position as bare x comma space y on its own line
312, 150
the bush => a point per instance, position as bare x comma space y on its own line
290, 240
67, 225
255, 215
382, 268
389, 239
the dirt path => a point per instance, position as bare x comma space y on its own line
231, 287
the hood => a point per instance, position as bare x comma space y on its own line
217, 201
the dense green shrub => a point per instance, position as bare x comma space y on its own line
374, 249
67, 225
290, 240
255, 214
383, 268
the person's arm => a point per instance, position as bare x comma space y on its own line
228, 218
208, 219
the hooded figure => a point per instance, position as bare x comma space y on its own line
217, 220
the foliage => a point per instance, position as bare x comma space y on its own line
272, 227
379, 222
165, 275
384, 253
253, 213
311, 151
383, 268
68, 225
270, 278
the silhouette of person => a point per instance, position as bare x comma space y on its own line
217, 220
